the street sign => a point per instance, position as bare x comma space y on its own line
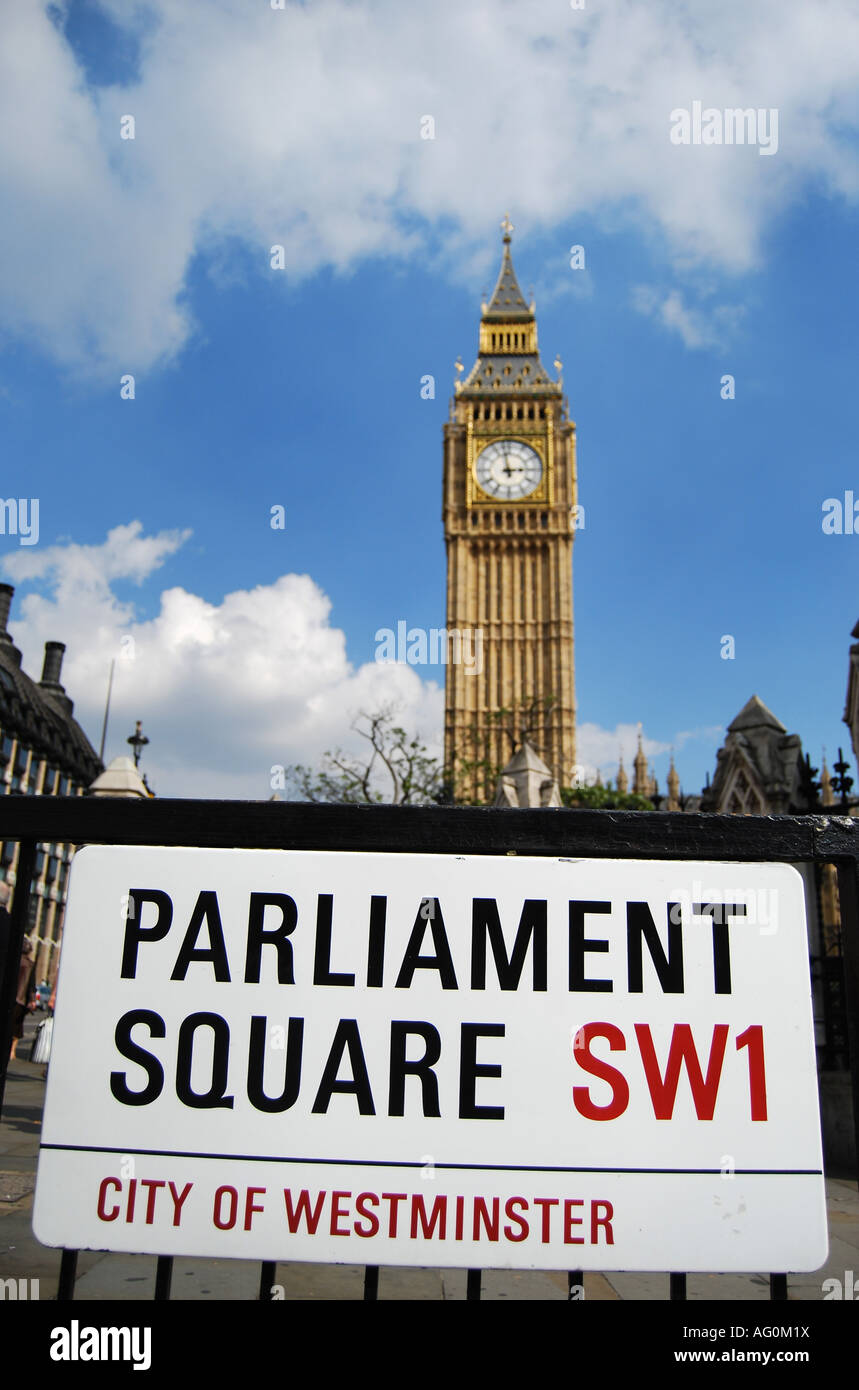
444, 1060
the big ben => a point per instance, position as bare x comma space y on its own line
509, 510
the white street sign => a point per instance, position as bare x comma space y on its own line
434, 1060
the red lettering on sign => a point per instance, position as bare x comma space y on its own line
753, 1039
437, 1217
102, 1193
546, 1203
481, 1215
604, 1221
301, 1211
619, 1088
361, 1207
338, 1214
513, 1216
663, 1091
570, 1221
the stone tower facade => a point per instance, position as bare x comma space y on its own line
510, 514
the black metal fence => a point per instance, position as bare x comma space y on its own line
431, 830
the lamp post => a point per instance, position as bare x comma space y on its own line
138, 741
841, 783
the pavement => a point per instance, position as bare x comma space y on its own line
115, 1276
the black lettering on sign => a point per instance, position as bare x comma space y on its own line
719, 913
259, 935
256, 1066
126, 1047
640, 926
205, 910
580, 944
442, 961
135, 932
422, 1067
322, 972
346, 1039
470, 1069
376, 943
485, 921
215, 1098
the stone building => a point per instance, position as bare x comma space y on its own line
121, 778
527, 781
43, 752
760, 769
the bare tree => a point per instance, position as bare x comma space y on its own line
395, 769
473, 776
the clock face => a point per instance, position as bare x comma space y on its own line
508, 469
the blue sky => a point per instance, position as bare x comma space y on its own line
253, 647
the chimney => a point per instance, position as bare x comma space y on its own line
53, 664
6, 592
51, 668
10, 651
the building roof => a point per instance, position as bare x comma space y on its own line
508, 301
120, 778
527, 781
755, 715
40, 714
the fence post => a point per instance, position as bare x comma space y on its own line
68, 1274
848, 898
677, 1288
17, 932
267, 1272
163, 1278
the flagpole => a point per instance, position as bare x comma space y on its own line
106, 712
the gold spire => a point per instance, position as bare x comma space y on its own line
622, 779
640, 778
673, 782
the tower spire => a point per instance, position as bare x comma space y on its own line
640, 781
508, 356
622, 779
673, 787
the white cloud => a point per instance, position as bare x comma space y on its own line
301, 126
601, 748
698, 327
225, 691
598, 748
74, 568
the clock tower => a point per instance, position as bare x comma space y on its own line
509, 519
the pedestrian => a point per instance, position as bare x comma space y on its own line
24, 996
